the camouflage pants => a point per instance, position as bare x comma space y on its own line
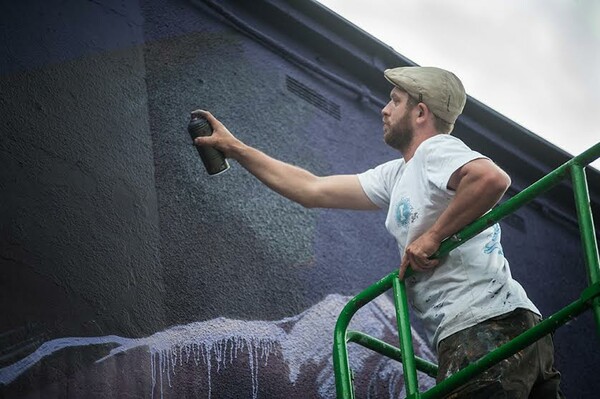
528, 373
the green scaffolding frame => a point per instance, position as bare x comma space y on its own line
589, 298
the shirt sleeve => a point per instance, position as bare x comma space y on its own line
378, 182
446, 155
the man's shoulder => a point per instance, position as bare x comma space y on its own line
442, 145
394, 164
443, 139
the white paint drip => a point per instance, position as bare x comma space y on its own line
221, 340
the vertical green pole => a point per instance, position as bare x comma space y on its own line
341, 366
587, 231
406, 346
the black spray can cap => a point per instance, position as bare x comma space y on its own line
214, 160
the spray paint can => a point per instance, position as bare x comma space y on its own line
213, 159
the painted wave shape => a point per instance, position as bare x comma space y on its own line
295, 352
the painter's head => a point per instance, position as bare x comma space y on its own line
440, 90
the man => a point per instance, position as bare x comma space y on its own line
468, 302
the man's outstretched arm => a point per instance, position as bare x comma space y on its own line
294, 183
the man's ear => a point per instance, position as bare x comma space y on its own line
423, 110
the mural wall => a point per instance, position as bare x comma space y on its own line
125, 271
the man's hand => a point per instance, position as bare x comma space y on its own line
222, 139
417, 254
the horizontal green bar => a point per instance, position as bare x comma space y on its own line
510, 348
588, 156
591, 293
390, 351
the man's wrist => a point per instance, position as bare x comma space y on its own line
435, 235
237, 150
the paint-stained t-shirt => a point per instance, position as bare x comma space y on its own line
473, 282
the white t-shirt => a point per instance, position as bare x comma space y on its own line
473, 283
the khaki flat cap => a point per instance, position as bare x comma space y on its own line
439, 89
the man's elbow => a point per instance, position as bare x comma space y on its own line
314, 195
304, 200
499, 182
310, 198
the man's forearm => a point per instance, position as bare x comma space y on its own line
288, 180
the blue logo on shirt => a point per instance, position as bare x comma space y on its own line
494, 243
404, 212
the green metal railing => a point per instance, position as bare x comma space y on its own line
589, 298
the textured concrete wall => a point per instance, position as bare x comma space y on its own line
79, 213
126, 270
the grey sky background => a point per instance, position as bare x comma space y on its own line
535, 61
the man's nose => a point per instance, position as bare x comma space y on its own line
384, 110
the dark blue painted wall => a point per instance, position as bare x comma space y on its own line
109, 225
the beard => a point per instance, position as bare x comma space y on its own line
400, 135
